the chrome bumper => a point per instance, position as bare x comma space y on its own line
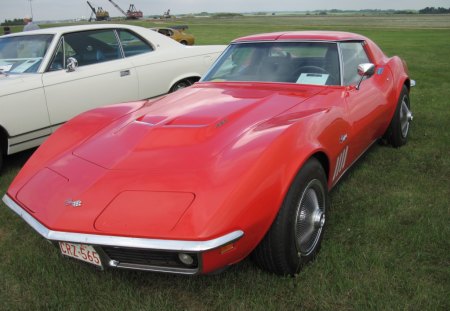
126, 242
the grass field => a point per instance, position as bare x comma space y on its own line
387, 242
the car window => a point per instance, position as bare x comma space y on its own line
63, 52
23, 54
353, 54
132, 44
91, 47
288, 62
165, 32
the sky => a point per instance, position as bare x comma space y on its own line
72, 9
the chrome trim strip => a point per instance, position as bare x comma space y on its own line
37, 130
341, 65
94, 239
130, 266
29, 140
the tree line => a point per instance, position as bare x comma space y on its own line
433, 10
12, 22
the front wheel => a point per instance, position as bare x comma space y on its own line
296, 234
397, 133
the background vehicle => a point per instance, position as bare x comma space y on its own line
178, 34
51, 75
239, 163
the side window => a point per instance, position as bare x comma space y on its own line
92, 47
132, 44
58, 59
353, 54
164, 32
63, 52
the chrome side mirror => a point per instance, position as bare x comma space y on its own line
365, 70
72, 64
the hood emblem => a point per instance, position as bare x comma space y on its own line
76, 203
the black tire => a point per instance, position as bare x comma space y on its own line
1, 157
397, 133
282, 250
183, 42
180, 85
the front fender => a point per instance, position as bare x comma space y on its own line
70, 135
250, 180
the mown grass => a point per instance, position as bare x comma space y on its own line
387, 242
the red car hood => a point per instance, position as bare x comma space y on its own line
188, 128
140, 174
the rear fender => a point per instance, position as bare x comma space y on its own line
400, 73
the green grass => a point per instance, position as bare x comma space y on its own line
387, 242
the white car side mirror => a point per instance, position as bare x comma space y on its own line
72, 64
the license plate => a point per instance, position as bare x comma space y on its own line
81, 252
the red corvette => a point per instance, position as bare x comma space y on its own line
240, 163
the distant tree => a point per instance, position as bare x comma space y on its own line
404, 12
12, 22
433, 10
227, 15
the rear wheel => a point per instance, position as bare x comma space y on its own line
397, 133
296, 234
180, 85
183, 42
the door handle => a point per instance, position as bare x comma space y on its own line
124, 73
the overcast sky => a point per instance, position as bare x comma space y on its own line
68, 9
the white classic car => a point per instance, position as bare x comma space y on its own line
48, 76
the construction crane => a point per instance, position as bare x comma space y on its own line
167, 14
100, 14
132, 12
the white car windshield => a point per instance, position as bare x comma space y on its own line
286, 62
23, 54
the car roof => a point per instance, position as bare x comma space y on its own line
161, 40
64, 29
304, 35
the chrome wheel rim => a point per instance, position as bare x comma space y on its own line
405, 116
310, 218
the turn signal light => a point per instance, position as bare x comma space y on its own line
226, 248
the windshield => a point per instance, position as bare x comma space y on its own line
289, 62
23, 54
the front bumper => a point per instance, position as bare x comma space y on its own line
132, 253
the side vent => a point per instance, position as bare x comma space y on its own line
340, 162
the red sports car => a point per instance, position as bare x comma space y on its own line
240, 163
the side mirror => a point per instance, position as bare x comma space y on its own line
72, 63
365, 70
